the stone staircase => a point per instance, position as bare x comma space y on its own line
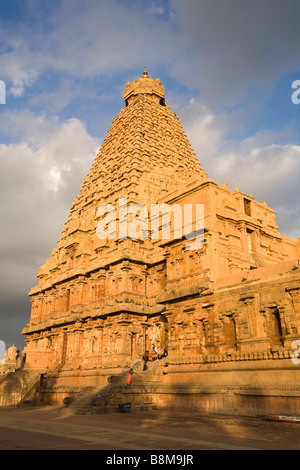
117, 393
258, 260
98, 397
19, 388
29, 392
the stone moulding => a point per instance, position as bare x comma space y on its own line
106, 311
232, 357
73, 274
199, 389
181, 292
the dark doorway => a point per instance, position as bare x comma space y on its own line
276, 327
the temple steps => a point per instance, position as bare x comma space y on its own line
20, 387
117, 393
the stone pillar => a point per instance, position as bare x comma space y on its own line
237, 319
253, 336
145, 327
124, 340
99, 341
56, 347
53, 301
290, 316
41, 307
230, 329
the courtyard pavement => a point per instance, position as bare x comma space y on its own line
54, 428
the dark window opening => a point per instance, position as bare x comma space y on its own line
247, 207
277, 324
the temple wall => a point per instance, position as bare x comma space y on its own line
258, 385
255, 314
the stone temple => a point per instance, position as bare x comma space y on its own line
227, 311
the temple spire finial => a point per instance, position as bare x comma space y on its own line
144, 86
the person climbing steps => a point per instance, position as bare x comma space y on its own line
145, 359
129, 378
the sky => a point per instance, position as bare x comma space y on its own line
227, 67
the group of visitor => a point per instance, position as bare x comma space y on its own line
153, 356
148, 357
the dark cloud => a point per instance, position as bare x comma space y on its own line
232, 50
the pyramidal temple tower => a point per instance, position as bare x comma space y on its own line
226, 306
145, 156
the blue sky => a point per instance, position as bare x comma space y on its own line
227, 67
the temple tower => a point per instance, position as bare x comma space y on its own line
105, 296
145, 157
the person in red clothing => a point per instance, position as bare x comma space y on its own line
129, 377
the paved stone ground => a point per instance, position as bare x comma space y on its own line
53, 428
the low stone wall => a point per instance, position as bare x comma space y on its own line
13, 385
268, 386
74, 384
256, 387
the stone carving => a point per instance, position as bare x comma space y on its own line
12, 354
99, 302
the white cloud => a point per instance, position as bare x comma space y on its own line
228, 50
39, 178
98, 38
268, 171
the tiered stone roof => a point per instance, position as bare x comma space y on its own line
145, 156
